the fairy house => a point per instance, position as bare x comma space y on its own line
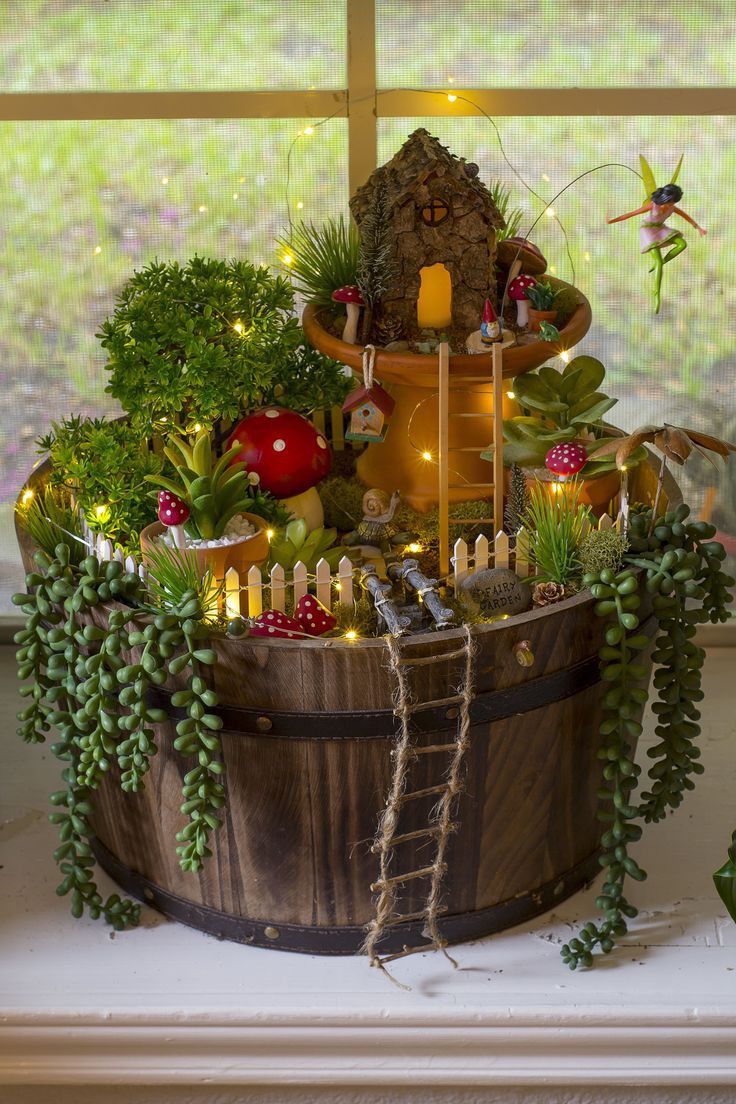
442, 230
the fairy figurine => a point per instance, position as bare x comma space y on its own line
655, 235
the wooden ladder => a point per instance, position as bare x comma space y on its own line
439, 826
495, 381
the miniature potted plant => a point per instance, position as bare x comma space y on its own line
207, 510
541, 296
560, 432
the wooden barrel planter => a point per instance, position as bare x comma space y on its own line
307, 740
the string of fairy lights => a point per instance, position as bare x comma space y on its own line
102, 510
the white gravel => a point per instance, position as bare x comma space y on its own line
236, 530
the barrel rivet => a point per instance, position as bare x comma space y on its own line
148, 893
264, 724
451, 713
271, 933
523, 653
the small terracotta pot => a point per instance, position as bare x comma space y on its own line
242, 556
596, 491
536, 317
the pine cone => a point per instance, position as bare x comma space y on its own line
546, 594
387, 329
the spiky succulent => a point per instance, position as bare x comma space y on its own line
214, 491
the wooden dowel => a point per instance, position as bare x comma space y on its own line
497, 360
399, 879
422, 793
414, 950
395, 840
444, 470
422, 661
420, 707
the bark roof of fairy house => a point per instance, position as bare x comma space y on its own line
421, 159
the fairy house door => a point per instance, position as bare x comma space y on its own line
443, 224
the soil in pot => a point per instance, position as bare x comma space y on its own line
537, 317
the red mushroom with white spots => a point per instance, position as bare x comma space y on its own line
173, 512
289, 455
353, 300
565, 459
314, 618
517, 291
276, 624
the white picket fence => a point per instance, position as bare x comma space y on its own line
504, 552
271, 590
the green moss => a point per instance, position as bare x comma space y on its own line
601, 549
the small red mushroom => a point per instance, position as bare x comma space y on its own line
517, 291
567, 458
274, 623
353, 300
314, 618
289, 455
173, 512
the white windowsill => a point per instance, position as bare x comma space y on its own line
166, 1005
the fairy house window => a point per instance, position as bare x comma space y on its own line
442, 229
435, 212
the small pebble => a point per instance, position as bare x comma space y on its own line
236, 530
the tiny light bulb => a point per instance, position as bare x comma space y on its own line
241, 180
299, 205
414, 547
270, 533
565, 356
450, 80
101, 511
426, 455
202, 208
197, 427
351, 634
545, 177
238, 327
164, 180
164, 419
623, 468
27, 496
287, 259
98, 249
511, 394
235, 195
309, 130
586, 256
338, 586
550, 212
451, 97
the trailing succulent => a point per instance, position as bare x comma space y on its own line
681, 573
90, 684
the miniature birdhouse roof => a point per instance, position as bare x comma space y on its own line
374, 394
421, 159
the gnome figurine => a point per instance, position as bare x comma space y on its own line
490, 327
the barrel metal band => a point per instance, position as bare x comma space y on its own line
378, 724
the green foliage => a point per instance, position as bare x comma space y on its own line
376, 265
518, 501
725, 880
556, 524
50, 519
512, 216
214, 492
565, 406
548, 332
681, 569
103, 464
174, 575
197, 342
542, 295
296, 544
601, 549
91, 684
323, 258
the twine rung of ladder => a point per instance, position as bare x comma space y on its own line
440, 823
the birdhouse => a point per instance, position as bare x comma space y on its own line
369, 409
443, 222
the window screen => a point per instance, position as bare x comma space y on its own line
548, 43
131, 45
87, 202
679, 366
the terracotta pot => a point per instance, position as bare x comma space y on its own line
536, 317
241, 556
596, 492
